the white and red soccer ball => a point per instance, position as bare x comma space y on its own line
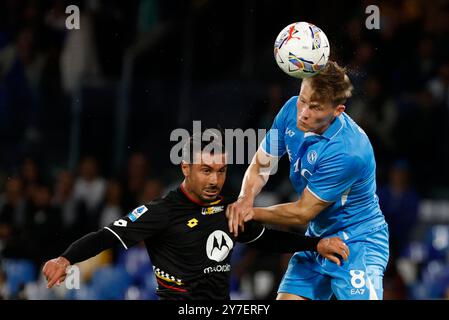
301, 49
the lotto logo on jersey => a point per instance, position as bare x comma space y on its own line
136, 213
211, 210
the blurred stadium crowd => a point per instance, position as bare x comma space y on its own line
86, 116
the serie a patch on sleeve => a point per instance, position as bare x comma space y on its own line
136, 213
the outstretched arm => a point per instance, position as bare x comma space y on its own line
288, 242
84, 248
292, 213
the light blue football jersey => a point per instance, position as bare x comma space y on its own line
337, 166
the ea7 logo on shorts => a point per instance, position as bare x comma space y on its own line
136, 213
357, 281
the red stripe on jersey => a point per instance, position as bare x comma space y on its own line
170, 287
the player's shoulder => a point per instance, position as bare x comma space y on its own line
288, 112
339, 151
162, 204
290, 105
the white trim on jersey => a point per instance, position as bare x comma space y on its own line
342, 123
266, 152
372, 291
263, 230
115, 234
317, 196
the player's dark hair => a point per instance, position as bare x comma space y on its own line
210, 140
331, 84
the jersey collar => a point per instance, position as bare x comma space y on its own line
198, 202
334, 128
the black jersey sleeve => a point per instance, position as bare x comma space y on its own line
260, 237
253, 230
143, 222
89, 246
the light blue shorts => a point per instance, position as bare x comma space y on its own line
311, 276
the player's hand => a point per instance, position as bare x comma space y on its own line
330, 247
237, 213
55, 271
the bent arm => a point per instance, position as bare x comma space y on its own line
257, 174
292, 213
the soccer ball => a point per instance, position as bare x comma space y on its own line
301, 49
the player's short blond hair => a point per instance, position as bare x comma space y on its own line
331, 85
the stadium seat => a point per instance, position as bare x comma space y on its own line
437, 241
110, 283
85, 292
435, 279
19, 272
134, 260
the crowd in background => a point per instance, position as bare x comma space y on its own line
86, 116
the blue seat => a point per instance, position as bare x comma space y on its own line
111, 282
435, 279
85, 292
437, 240
416, 251
19, 272
136, 262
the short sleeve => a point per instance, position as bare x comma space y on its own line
334, 176
273, 142
143, 222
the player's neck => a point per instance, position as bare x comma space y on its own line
323, 129
190, 194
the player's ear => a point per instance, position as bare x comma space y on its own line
339, 110
185, 167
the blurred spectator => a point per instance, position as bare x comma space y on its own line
376, 114
30, 176
418, 114
20, 72
78, 57
153, 189
73, 212
90, 189
112, 208
439, 86
137, 174
12, 218
42, 232
399, 202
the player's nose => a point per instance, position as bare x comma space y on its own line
304, 114
213, 178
